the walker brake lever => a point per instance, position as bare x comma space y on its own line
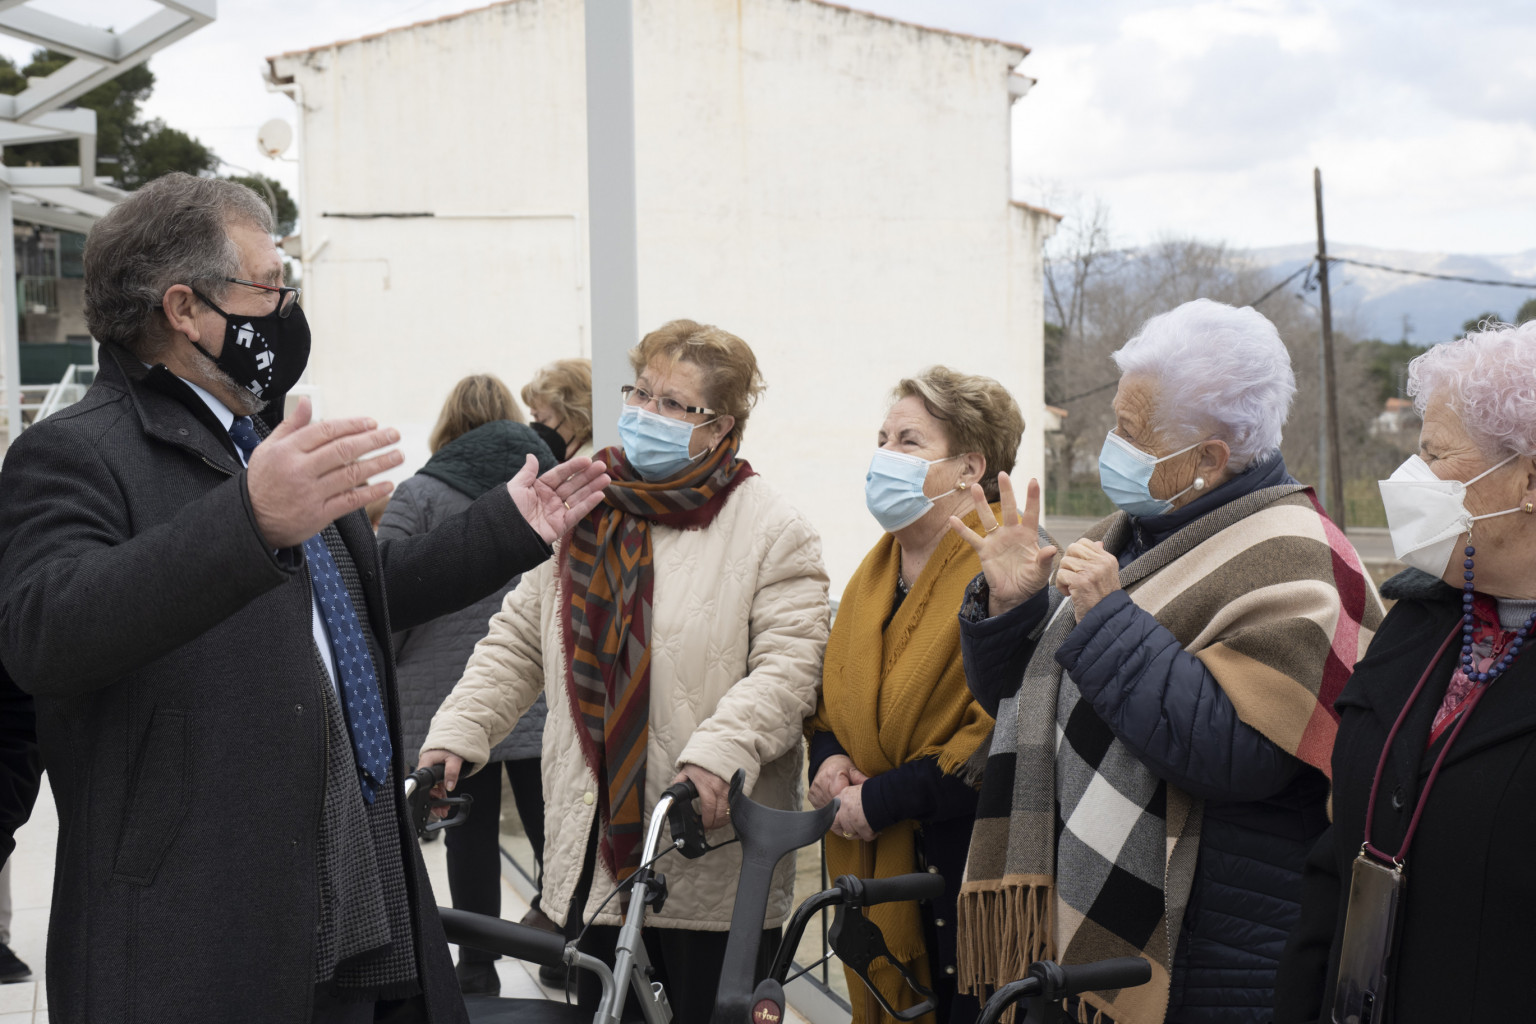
686, 825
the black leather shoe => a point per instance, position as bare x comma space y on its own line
478, 978
554, 977
11, 967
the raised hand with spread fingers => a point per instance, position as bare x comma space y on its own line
1015, 564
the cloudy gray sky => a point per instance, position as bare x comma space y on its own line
1184, 118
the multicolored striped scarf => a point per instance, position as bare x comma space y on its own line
606, 573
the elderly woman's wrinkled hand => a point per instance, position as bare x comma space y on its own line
836, 774
1088, 574
714, 795
1014, 563
850, 822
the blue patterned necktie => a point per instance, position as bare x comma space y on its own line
355, 673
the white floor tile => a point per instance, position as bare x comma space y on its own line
18, 997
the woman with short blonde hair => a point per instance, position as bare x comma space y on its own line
686, 618
560, 398
896, 725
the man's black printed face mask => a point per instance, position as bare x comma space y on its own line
266, 355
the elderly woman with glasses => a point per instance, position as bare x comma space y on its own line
1433, 779
678, 634
1163, 699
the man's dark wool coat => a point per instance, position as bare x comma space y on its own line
170, 654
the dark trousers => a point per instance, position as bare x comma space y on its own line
330, 1010
687, 964
474, 848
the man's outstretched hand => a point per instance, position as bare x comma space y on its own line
556, 501
307, 474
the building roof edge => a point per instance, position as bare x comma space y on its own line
1020, 48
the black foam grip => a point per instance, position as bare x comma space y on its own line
1104, 975
426, 777
682, 792
920, 886
494, 935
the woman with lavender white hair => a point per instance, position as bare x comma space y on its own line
1420, 897
1158, 770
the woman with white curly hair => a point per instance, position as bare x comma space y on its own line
1424, 876
1163, 693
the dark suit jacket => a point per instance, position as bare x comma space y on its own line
21, 768
1468, 940
170, 653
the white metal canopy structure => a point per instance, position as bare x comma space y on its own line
66, 197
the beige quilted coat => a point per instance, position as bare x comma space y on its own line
739, 625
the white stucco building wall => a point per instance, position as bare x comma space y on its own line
829, 185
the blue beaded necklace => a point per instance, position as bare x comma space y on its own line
1508, 656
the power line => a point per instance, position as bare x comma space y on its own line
1307, 268
1300, 270
1529, 285
1085, 394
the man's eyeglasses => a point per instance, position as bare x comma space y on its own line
636, 395
287, 298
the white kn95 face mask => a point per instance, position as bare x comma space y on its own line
1425, 514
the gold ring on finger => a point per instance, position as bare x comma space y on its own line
567, 505
847, 835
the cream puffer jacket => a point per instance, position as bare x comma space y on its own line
739, 627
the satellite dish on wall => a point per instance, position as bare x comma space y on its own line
274, 138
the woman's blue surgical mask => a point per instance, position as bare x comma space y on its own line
893, 488
656, 445
1125, 472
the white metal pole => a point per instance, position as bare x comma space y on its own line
10, 334
613, 237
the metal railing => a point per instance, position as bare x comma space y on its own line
67, 391
37, 294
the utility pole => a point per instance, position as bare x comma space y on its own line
613, 240
1331, 471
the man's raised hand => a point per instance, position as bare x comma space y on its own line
307, 474
556, 501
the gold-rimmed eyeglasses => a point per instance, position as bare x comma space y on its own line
671, 407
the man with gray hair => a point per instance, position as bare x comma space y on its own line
190, 591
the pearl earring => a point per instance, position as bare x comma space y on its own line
1199, 483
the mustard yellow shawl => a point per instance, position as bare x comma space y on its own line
893, 694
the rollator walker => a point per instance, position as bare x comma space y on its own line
766, 835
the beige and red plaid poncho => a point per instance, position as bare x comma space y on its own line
1272, 598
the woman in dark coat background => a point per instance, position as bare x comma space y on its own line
1447, 658
480, 440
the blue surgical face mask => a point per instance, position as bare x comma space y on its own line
656, 445
1125, 472
893, 488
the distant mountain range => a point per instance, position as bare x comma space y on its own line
1373, 303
